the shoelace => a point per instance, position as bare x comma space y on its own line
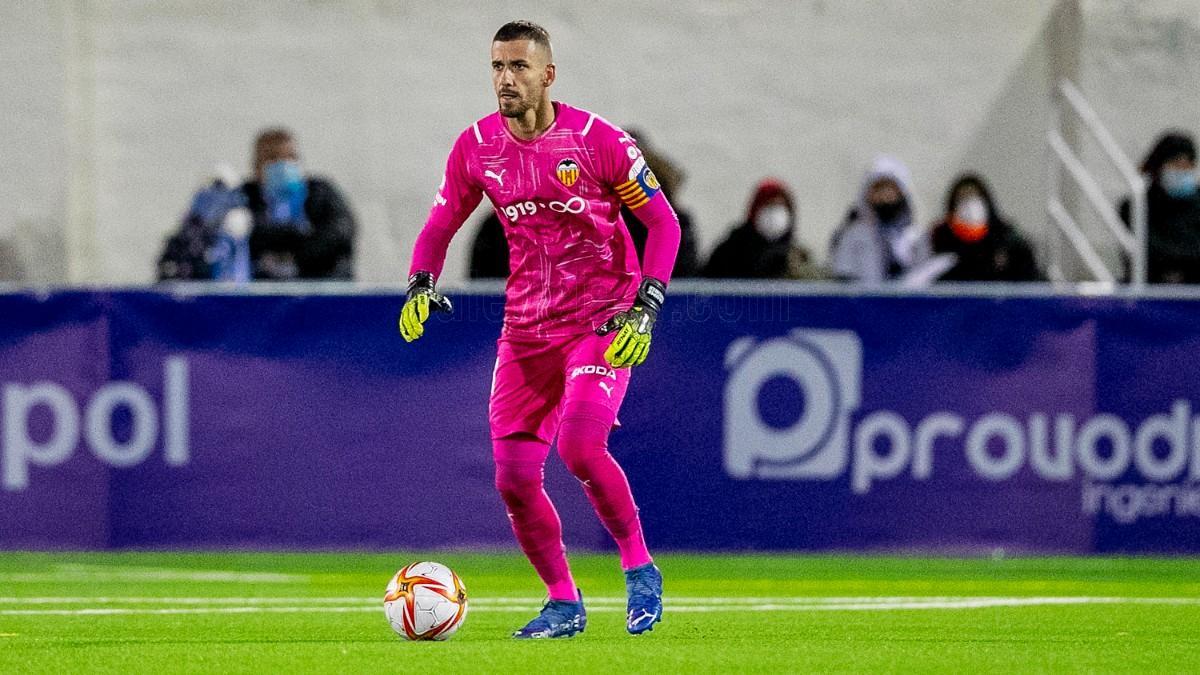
556, 612
641, 584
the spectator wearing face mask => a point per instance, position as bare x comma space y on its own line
763, 246
881, 239
302, 226
1173, 211
985, 246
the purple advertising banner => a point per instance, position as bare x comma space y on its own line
760, 422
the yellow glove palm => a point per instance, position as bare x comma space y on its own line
422, 300
632, 343
413, 317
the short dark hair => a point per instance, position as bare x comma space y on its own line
271, 136
523, 30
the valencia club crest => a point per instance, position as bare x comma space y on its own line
568, 172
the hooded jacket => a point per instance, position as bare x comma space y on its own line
1001, 255
1173, 224
863, 249
746, 254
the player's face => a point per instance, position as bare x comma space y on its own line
521, 73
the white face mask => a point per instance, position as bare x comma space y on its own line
972, 210
772, 222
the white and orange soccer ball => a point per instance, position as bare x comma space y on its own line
425, 601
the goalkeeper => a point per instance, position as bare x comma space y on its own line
579, 310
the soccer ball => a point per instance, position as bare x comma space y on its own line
425, 601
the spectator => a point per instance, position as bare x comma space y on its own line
985, 246
203, 247
1173, 211
763, 246
303, 228
671, 178
489, 251
881, 238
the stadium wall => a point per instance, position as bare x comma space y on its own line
1028, 423
115, 112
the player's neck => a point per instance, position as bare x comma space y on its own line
535, 120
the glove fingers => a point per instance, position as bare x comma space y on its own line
643, 351
404, 330
410, 323
615, 322
627, 351
422, 301
639, 355
614, 347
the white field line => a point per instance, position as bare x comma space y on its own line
492, 600
674, 601
812, 605
102, 573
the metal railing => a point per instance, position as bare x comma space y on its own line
1130, 239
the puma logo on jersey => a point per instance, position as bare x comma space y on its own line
498, 177
606, 387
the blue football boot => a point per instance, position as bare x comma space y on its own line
644, 586
558, 619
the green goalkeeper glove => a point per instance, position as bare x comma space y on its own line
632, 343
422, 299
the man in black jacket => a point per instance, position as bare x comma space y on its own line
1173, 206
303, 227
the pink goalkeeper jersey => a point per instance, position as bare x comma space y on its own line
573, 264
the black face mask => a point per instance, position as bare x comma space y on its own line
888, 211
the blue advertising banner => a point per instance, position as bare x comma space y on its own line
914, 423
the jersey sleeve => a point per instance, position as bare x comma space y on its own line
456, 198
624, 168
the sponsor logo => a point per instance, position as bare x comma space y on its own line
498, 177
567, 172
830, 437
826, 367
602, 371
515, 211
70, 423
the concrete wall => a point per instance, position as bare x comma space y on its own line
115, 112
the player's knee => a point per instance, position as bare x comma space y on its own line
518, 483
581, 442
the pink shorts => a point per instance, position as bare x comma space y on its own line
535, 380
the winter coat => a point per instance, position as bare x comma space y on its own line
746, 254
324, 252
865, 250
1001, 255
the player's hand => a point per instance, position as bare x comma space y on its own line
422, 299
632, 343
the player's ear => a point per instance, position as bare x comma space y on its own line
548, 76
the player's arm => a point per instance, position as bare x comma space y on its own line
637, 187
456, 198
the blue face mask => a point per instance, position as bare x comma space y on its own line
1179, 183
285, 190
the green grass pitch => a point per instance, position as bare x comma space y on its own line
322, 612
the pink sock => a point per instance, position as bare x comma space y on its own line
519, 463
583, 445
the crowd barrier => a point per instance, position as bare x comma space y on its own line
763, 420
